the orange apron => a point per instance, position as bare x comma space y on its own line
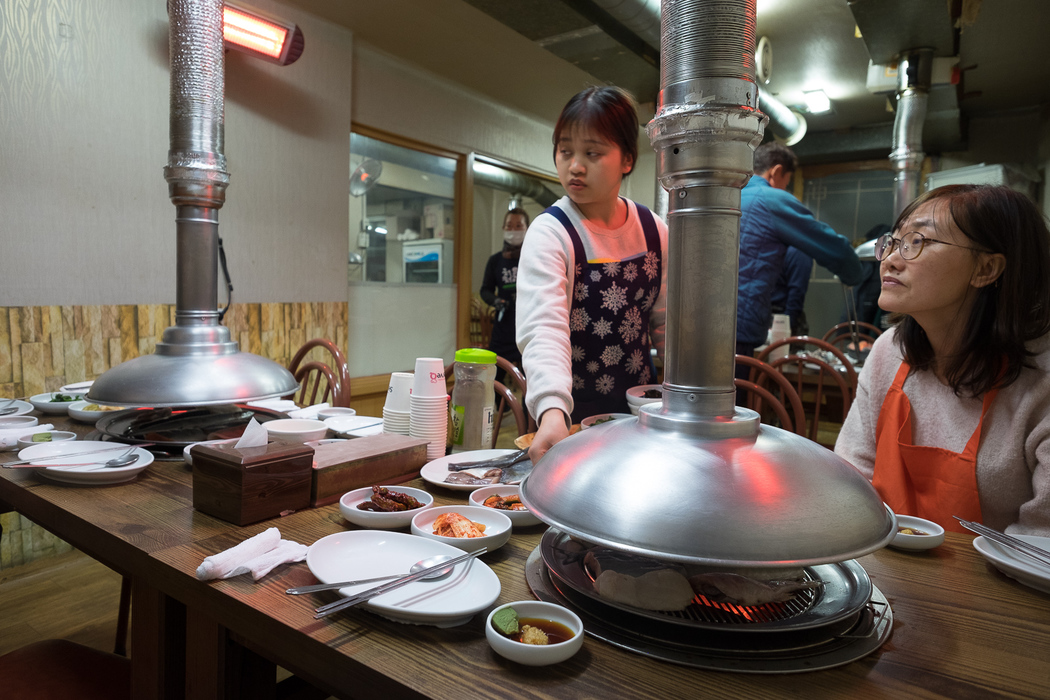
928, 482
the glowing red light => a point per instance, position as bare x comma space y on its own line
253, 32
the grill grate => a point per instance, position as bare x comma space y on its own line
709, 611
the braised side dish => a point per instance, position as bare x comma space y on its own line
386, 501
96, 407
511, 502
455, 525
652, 394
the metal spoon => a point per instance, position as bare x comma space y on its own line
418, 566
10, 409
121, 461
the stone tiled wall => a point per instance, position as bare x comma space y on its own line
45, 347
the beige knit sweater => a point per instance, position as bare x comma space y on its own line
1013, 462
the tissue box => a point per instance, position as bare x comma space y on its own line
246, 485
375, 460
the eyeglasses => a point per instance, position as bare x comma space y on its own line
909, 245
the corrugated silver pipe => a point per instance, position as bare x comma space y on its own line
197, 362
913, 92
745, 495
705, 132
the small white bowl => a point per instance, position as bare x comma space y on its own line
536, 654
601, 419
56, 436
934, 534
636, 396
295, 430
335, 411
497, 527
44, 404
18, 422
518, 518
375, 520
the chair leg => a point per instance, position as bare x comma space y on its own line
123, 612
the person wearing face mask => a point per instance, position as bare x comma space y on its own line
499, 286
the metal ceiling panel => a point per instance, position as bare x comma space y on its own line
891, 26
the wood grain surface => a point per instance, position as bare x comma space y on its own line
961, 629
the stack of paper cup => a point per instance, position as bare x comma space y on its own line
397, 409
429, 405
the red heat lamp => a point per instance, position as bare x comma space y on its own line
264, 37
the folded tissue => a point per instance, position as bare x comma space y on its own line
258, 555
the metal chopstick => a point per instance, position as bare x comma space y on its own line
1040, 555
338, 605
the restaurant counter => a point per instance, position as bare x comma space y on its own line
960, 628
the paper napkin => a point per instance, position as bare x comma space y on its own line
254, 435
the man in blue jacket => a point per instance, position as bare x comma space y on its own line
771, 220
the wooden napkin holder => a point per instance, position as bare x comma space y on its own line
244, 486
375, 460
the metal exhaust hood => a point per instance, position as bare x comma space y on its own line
197, 363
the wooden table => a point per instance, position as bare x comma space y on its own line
961, 629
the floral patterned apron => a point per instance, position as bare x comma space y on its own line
609, 321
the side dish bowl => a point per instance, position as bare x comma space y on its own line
601, 419
295, 430
497, 527
45, 402
376, 520
536, 654
88, 412
518, 518
933, 537
56, 436
636, 397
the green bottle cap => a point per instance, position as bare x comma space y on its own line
476, 356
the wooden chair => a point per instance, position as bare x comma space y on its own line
516, 382
333, 375
759, 393
58, 668
866, 331
814, 378
481, 317
508, 401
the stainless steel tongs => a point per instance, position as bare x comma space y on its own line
1030, 550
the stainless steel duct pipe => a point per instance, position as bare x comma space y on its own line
643, 17
695, 479
196, 363
913, 93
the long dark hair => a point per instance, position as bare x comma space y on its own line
608, 111
1009, 312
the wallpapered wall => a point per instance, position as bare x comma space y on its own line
44, 347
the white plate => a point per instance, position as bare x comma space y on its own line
44, 404
77, 412
1016, 565
81, 452
355, 554
355, 426
77, 387
21, 407
435, 472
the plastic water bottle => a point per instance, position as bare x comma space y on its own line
780, 330
473, 400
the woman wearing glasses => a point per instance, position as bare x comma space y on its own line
952, 415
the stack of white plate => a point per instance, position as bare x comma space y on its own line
397, 409
429, 405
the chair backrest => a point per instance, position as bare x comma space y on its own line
507, 400
846, 327
337, 391
782, 396
810, 370
316, 383
844, 341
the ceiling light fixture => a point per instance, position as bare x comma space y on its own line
271, 39
817, 102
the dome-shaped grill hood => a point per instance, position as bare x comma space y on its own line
695, 478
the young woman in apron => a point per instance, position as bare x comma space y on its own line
591, 279
951, 413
